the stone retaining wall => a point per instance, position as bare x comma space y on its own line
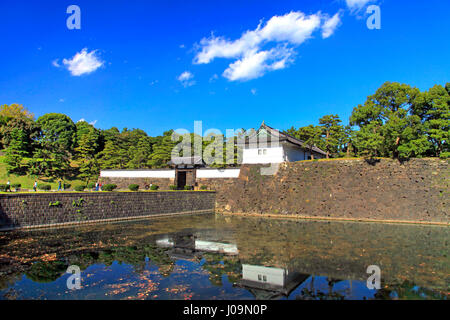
53, 209
415, 191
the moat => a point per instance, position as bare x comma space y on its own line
225, 257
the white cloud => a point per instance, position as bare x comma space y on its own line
254, 92
55, 63
331, 25
186, 79
356, 5
83, 62
256, 63
252, 61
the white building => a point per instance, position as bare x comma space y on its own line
268, 145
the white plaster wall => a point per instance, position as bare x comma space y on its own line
274, 155
217, 173
170, 174
294, 154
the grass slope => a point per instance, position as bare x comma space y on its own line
27, 182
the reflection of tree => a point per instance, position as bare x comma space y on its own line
219, 264
45, 272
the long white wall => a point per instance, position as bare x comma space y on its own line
169, 174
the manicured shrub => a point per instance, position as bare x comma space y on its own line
187, 188
133, 187
173, 187
203, 188
66, 186
16, 185
44, 187
109, 187
91, 185
80, 188
154, 187
3, 187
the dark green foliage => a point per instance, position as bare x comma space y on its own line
44, 187
80, 188
154, 187
133, 187
91, 185
3, 187
66, 186
109, 187
172, 187
203, 188
188, 188
16, 186
16, 151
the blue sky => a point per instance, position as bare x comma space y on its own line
158, 65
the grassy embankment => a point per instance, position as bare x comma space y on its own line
27, 182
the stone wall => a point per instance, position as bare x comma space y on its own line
52, 209
416, 190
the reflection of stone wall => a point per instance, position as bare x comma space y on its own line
417, 190
50, 209
344, 250
123, 183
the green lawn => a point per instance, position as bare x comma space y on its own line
27, 182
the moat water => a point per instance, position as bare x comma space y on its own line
222, 257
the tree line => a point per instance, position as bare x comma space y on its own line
398, 121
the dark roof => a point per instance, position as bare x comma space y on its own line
284, 137
195, 160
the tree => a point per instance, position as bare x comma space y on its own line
332, 134
16, 151
162, 151
86, 147
14, 117
433, 108
310, 135
56, 144
386, 126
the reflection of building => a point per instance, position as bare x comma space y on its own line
187, 247
269, 283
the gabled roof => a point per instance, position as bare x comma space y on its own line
276, 135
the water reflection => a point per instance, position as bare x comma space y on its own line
215, 257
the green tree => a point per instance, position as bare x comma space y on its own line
310, 135
163, 150
86, 147
332, 134
16, 151
433, 108
56, 142
387, 127
14, 117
